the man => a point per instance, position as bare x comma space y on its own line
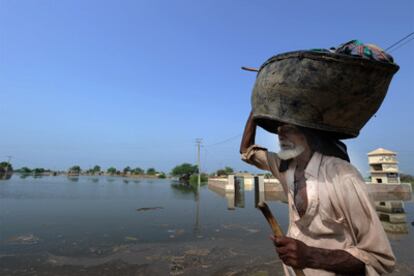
333, 228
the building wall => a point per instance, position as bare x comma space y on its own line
375, 159
379, 178
390, 167
385, 178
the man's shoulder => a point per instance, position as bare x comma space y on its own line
335, 167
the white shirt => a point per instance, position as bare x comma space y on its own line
339, 214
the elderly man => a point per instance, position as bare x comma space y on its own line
333, 228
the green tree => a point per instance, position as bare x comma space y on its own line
225, 171
151, 171
127, 169
185, 169
25, 170
229, 170
111, 170
5, 167
162, 175
406, 178
184, 172
38, 171
137, 170
96, 169
75, 169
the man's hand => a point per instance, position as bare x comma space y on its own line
296, 254
292, 252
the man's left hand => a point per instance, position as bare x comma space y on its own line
292, 252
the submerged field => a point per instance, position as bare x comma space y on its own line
118, 226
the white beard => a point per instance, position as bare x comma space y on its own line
290, 152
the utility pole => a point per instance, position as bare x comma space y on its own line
197, 222
198, 142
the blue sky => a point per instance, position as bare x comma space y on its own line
120, 83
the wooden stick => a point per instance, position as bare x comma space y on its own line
250, 69
277, 230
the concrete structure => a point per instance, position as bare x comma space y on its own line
384, 170
387, 197
383, 166
233, 188
226, 183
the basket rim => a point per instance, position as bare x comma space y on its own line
339, 132
328, 56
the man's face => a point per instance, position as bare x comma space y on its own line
292, 142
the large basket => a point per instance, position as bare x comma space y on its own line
320, 90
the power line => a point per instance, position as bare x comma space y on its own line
401, 45
399, 41
225, 141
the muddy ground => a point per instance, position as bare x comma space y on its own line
196, 258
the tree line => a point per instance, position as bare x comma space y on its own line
186, 172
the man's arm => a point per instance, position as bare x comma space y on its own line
297, 254
349, 198
251, 153
249, 134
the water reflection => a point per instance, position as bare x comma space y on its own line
184, 188
24, 175
239, 192
94, 179
73, 178
392, 215
235, 198
186, 191
5, 175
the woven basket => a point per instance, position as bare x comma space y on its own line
325, 91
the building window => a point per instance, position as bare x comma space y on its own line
379, 180
377, 167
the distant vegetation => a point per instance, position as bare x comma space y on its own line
225, 171
407, 178
75, 169
111, 171
184, 172
194, 178
151, 171
38, 171
137, 171
5, 166
24, 170
6, 170
35, 171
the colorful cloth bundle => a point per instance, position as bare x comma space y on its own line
368, 51
358, 49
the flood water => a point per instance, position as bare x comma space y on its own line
119, 226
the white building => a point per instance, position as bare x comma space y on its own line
383, 166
